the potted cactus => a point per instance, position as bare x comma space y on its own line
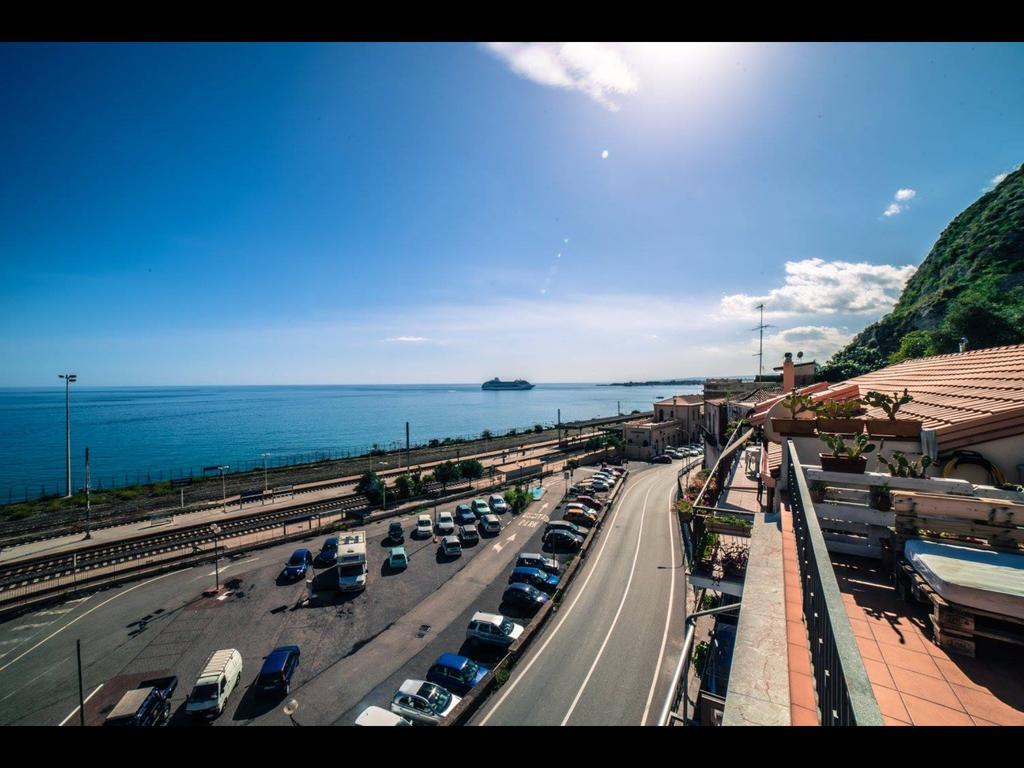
879, 497
891, 426
838, 416
796, 404
846, 458
817, 490
899, 466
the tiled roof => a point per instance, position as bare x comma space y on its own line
681, 400
765, 393
966, 397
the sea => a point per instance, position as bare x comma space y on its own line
149, 434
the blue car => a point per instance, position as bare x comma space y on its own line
456, 673
535, 577
329, 551
278, 668
300, 560
524, 596
464, 515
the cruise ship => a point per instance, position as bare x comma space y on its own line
497, 383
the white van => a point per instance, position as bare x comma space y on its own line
216, 682
352, 569
380, 716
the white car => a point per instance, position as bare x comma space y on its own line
493, 629
445, 523
498, 504
424, 526
490, 524
606, 479
423, 702
599, 485
380, 716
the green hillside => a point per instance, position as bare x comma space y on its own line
970, 285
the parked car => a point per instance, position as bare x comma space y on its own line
380, 716
480, 508
524, 596
565, 526
215, 684
591, 502
464, 514
490, 524
604, 477
468, 534
662, 458
398, 560
423, 702
600, 485
451, 546
617, 471
493, 629
395, 532
456, 673
276, 674
298, 563
498, 504
445, 523
558, 538
148, 704
580, 516
535, 577
531, 560
328, 554
424, 526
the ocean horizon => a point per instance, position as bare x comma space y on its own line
152, 433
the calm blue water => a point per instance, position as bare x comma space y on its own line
132, 431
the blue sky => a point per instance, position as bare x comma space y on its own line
250, 213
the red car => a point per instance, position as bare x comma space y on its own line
591, 502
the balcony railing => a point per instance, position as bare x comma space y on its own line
844, 691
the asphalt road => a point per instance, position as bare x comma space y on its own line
607, 656
351, 644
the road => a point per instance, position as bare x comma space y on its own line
607, 656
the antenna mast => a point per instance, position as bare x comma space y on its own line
760, 341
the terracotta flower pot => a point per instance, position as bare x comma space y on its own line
833, 463
794, 426
893, 427
841, 426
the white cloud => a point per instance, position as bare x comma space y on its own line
995, 181
597, 69
407, 338
819, 287
817, 342
901, 198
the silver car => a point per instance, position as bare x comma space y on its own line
423, 702
493, 629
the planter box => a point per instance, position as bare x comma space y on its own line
841, 426
728, 529
832, 463
893, 427
794, 426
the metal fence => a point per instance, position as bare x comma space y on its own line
844, 691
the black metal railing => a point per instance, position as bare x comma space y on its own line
844, 691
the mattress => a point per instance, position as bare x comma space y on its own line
985, 580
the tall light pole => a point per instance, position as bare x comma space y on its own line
69, 379
223, 487
88, 504
215, 530
264, 455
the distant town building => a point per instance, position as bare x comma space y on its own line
675, 421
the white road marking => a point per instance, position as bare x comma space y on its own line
618, 612
497, 547
511, 685
82, 616
75, 710
31, 626
668, 613
79, 599
55, 612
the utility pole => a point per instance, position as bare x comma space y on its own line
760, 341
88, 502
265, 486
408, 461
69, 379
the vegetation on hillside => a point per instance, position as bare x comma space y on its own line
970, 286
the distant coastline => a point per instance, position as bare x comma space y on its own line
663, 382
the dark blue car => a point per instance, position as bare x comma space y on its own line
278, 668
329, 551
300, 560
456, 673
464, 515
535, 577
524, 596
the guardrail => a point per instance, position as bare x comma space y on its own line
845, 696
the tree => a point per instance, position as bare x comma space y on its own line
517, 499
471, 469
371, 486
914, 344
404, 486
486, 434
538, 428
448, 472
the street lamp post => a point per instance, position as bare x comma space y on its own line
215, 530
290, 709
223, 486
88, 502
69, 379
265, 485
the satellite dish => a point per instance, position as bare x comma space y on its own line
291, 707
799, 355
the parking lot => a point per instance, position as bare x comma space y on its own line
356, 648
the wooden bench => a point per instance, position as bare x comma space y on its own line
968, 521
